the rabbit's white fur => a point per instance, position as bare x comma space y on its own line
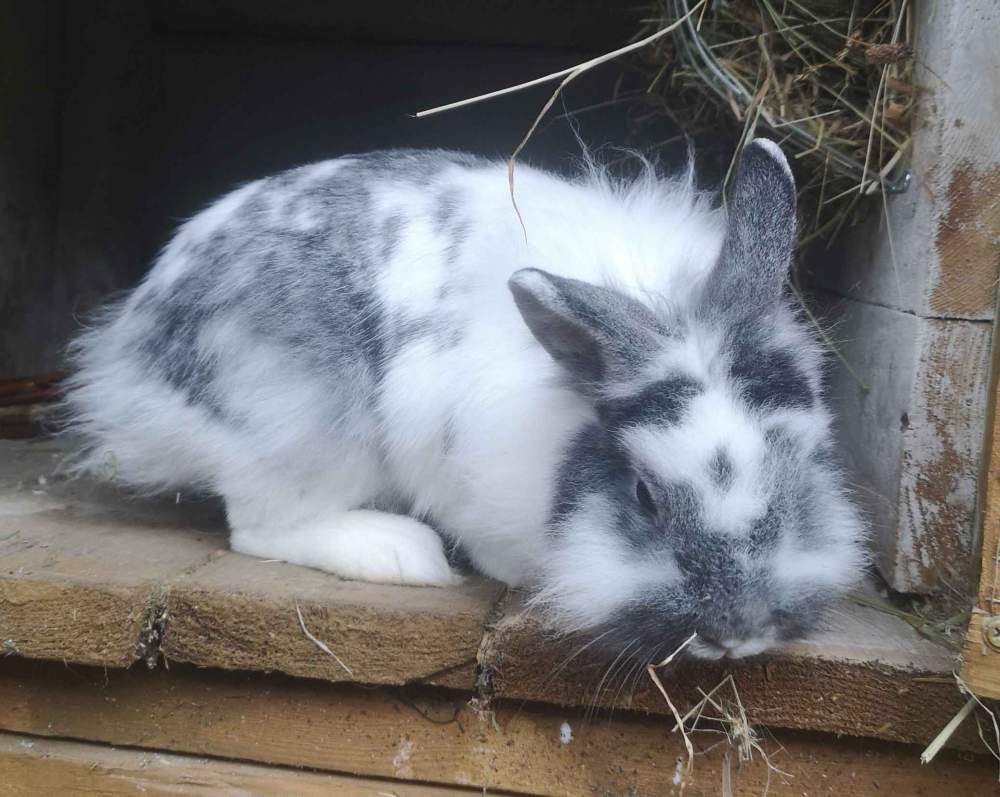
336, 353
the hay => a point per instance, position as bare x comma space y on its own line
319, 642
830, 80
948, 731
729, 719
947, 631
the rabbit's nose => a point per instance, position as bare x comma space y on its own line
712, 645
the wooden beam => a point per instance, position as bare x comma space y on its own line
92, 577
239, 613
980, 658
34, 767
436, 736
921, 279
868, 675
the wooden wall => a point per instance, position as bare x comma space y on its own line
911, 300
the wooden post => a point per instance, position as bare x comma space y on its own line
911, 297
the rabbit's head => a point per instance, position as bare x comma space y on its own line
703, 497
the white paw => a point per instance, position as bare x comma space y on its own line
388, 549
362, 545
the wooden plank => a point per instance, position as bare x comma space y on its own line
868, 674
980, 659
80, 567
941, 261
240, 613
91, 577
44, 767
942, 448
437, 736
930, 259
912, 434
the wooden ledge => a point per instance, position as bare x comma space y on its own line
431, 735
869, 675
89, 577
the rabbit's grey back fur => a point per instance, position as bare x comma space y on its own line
335, 350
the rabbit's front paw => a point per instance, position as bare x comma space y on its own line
393, 549
362, 545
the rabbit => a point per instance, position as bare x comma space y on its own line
611, 403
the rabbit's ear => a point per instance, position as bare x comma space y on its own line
760, 233
595, 333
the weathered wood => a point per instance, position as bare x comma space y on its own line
913, 434
80, 568
941, 261
44, 767
980, 659
240, 613
867, 675
921, 283
89, 576
436, 736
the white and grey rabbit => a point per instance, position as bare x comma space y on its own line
614, 406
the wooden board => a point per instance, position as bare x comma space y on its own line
919, 282
34, 767
980, 660
80, 567
240, 613
912, 435
867, 677
435, 736
941, 261
92, 577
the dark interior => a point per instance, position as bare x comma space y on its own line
124, 118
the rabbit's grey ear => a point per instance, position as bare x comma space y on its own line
594, 332
760, 232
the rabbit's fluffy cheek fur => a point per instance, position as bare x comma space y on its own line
749, 533
703, 499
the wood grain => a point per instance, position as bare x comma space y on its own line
33, 767
436, 736
872, 676
980, 661
91, 576
918, 282
240, 613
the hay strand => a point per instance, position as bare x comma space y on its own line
832, 79
569, 73
319, 642
947, 732
651, 670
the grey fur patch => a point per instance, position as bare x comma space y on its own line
391, 232
448, 436
448, 338
458, 235
311, 290
721, 467
446, 208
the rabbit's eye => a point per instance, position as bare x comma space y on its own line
644, 498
